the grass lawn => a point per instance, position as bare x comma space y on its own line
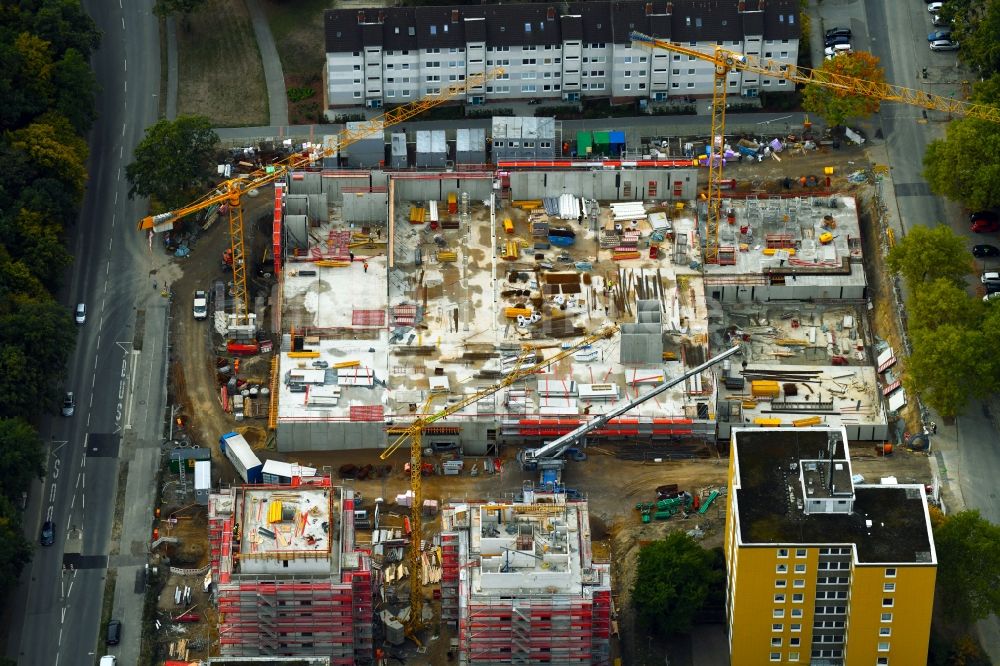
297, 27
221, 75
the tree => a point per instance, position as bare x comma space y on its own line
977, 29
172, 163
21, 457
943, 302
672, 582
926, 254
51, 145
75, 86
66, 26
36, 339
968, 575
15, 552
965, 165
942, 363
836, 105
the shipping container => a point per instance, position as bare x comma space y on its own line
584, 144
236, 448
202, 481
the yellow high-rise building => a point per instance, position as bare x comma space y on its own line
823, 570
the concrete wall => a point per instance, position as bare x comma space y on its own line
365, 207
863, 432
605, 185
426, 190
330, 435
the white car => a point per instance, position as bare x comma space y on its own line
935, 7
81, 313
837, 49
200, 307
944, 45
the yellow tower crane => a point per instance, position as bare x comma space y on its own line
414, 431
231, 191
726, 61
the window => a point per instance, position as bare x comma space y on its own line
796, 627
887, 602
799, 582
882, 661
675, 72
886, 617
357, 95
796, 612
406, 65
781, 582
675, 85
883, 646
529, 75
677, 58
691, 71
690, 84
406, 93
793, 656
784, 54
794, 642
527, 61
767, 54
890, 573
775, 656
885, 631
778, 613
776, 642
628, 73
432, 64
628, 86
797, 598
800, 568
766, 82
530, 88
434, 30
642, 86
642, 58
777, 627
433, 78
779, 598
357, 68
628, 60
889, 587
691, 58
357, 81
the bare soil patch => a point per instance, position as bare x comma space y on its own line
220, 72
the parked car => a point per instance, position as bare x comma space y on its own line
837, 39
935, 7
944, 45
990, 278
200, 306
836, 50
114, 634
985, 226
838, 31
983, 215
81, 313
989, 298
69, 404
47, 536
938, 21
939, 34
985, 250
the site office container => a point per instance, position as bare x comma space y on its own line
236, 448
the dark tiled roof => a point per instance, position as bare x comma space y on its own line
525, 24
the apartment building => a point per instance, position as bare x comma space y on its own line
551, 52
823, 570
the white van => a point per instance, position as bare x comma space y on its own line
109, 660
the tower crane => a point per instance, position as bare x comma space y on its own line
413, 432
726, 61
232, 190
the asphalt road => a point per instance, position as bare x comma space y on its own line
61, 592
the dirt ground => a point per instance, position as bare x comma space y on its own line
220, 72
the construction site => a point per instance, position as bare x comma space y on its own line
562, 349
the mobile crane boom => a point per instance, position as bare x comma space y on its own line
530, 458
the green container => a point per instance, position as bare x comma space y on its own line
602, 139
188, 457
584, 144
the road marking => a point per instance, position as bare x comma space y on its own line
88, 414
131, 390
126, 67
123, 23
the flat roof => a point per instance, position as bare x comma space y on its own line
776, 224
888, 524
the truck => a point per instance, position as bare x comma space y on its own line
200, 307
550, 459
237, 449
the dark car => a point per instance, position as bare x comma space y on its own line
985, 250
114, 634
837, 39
983, 215
69, 404
939, 34
838, 32
48, 534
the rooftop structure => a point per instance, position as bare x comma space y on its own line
797, 487
275, 548
533, 591
823, 568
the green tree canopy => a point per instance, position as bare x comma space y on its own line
977, 28
75, 87
943, 302
21, 457
926, 254
51, 146
837, 105
173, 162
35, 342
672, 583
965, 165
168, 7
943, 361
968, 575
